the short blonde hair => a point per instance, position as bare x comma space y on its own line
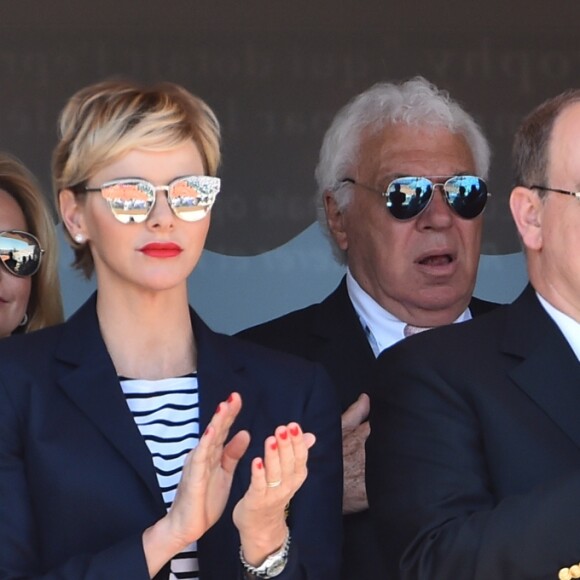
102, 122
45, 304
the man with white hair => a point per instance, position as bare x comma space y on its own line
473, 467
401, 193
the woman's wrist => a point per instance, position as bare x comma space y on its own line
160, 544
272, 566
257, 545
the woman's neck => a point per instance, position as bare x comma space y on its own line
148, 335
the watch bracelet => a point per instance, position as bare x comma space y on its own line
256, 571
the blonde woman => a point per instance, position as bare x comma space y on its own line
113, 458
29, 287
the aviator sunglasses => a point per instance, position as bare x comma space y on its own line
407, 197
20, 253
131, 200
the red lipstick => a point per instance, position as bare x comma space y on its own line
161, 250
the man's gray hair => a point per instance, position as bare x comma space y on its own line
416, 102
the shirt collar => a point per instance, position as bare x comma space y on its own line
382, 328
567, 325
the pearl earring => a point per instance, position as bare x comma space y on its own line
79, 238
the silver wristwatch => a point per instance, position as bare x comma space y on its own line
272, 566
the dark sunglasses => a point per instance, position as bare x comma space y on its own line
131, 200
20, 253
407, 197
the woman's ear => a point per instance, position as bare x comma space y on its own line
72, 214
527, 207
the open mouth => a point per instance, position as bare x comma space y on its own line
437, 260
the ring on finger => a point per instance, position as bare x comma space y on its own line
273, 483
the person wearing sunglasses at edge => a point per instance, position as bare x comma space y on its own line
115, 458
29, 287
401, 194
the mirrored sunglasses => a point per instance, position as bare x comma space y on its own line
407, 197
131, 200
20, 253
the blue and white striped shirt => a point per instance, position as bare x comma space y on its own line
166, 412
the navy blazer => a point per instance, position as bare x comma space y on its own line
77, 483
331, 333
473, 462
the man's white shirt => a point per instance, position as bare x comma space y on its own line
567, 325
383, 329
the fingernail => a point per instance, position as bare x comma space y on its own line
230, 398
274, 446
259, 465
206, 431
294, 431
218, 408
284, 434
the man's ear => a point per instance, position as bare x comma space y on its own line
71, 213
527, 207
335, 219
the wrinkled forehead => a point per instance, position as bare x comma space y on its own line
425, 150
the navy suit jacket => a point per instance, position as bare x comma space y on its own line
331, 333
473, 462
77, 484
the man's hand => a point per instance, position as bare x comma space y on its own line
355, 430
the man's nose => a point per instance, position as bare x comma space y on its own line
438, 214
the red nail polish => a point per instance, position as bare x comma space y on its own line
259, 465
230, 398
218, 408
274, 446
294, 431
206, 431
284, 434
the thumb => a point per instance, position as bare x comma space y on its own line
309, 440
234, 450
357, 412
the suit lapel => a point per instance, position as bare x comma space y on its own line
549, 371
220, 372
88, 378
339, 342
341, 345
477, 307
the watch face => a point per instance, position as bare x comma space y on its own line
276, 567
272, 566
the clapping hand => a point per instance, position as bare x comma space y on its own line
260, 515
203, 490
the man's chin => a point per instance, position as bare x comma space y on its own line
441, 304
